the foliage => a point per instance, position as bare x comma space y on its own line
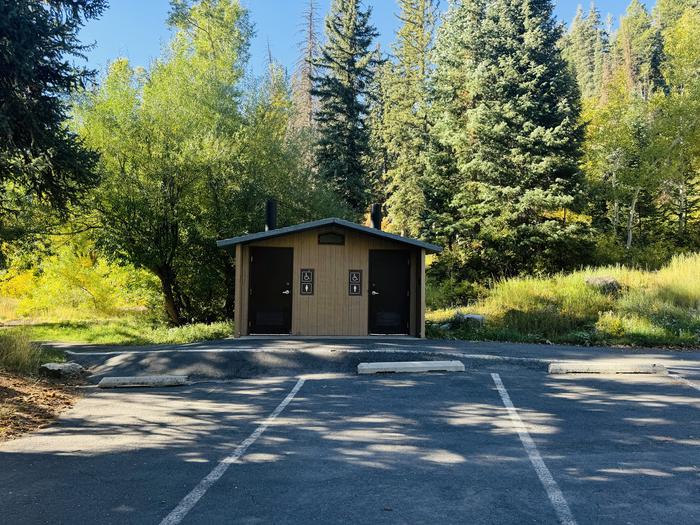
345, 70
189, 155
507, 111
643, 133
524, 150
41, 161
653, 308
405, 123
75, 282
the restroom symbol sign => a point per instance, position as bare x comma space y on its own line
355, 282
307, 281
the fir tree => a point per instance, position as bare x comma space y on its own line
508, 111
639, 50
405, 123
586, 50
346, 67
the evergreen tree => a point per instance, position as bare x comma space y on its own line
508, 110
586, 50
41, 160
639, 50
405, 124
378, 161
346, 67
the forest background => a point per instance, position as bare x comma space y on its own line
528, 149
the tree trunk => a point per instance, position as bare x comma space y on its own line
172, 303
630, 218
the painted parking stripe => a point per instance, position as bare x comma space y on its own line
555, 495
189, 501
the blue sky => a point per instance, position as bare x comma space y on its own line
136, 28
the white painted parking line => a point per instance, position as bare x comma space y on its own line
555, 495
189, 501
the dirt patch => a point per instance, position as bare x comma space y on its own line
28, 403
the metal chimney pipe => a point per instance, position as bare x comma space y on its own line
270, 215
375, 215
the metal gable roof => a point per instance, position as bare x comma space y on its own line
242, 239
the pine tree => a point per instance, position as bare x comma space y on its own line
405, 120
346, 67
508, 110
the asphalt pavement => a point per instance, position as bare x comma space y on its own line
498, 444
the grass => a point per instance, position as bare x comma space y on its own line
129, 330
652, 309
8, 307
18, 354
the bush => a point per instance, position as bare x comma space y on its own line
76, 283
451, 292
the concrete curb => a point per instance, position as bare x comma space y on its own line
142, 381
410, 367
583, 367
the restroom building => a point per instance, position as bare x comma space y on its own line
329, 277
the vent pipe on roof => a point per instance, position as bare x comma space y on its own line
375, 215
270, 215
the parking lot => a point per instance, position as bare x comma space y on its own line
498, 445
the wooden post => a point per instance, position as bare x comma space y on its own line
421, 314
238, 306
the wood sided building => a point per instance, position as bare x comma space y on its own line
329, 277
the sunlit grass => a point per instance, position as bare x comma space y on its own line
127, 331
18, 354
652, 308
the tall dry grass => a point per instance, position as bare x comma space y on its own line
18, 354
652, 308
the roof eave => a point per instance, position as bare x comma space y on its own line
244, 239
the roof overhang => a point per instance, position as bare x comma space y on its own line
244, 239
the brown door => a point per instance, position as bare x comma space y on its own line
270, 304
389, 291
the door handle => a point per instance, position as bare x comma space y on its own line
375, 293
286, 292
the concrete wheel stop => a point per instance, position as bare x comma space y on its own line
142, 381
609, 367
409, 367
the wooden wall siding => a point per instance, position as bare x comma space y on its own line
330, 311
